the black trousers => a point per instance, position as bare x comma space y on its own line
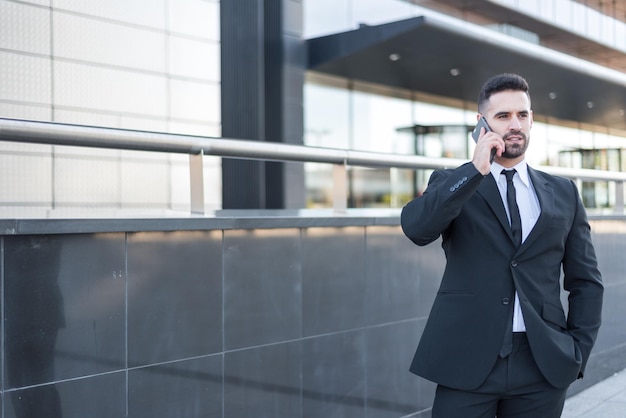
515, 388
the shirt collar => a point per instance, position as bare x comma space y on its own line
521, 168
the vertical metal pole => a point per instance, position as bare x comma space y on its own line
340, 187
196, 178
619, 197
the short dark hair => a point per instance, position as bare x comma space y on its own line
498, 83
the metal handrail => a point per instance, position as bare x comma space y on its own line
15, 130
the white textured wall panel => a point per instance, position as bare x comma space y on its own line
84, 181
150, 65
25, 178
25, 78
197, 101
193, 58
145, 179
96, 88
91, 40
24, 28
198, 18
139, 12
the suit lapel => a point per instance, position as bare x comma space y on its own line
545, 196
488, 189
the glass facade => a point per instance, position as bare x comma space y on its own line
154, 65
603, 26
345, 113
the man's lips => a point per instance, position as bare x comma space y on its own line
514, 138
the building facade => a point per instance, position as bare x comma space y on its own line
281, 315
393, 76
140, 65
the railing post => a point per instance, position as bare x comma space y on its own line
196, 179
340, 188
619, 197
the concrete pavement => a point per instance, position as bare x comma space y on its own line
606, 399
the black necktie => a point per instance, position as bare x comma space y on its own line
511, 200
516, 229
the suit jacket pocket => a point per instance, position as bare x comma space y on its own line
454, 292
554, 315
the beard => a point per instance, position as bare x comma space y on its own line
514, 149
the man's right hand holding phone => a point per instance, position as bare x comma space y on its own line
488, 145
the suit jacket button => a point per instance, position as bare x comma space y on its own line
505, 301
514, 263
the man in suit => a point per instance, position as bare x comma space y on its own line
498, 341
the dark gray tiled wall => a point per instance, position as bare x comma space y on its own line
63, 316
333, 278
392, 391
286, 322
101, 396
264, 381
401, 278
63, 307
185, 388
333, 375
262, 287
174, 295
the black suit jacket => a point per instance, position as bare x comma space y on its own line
464, 331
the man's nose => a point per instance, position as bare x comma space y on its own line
515, 124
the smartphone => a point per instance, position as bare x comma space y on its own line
482, 123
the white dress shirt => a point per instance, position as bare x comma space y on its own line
529, 211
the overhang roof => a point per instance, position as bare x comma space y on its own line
422, 53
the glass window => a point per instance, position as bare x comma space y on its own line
376, 121
326, 125
319, 21
326, 116
375, 12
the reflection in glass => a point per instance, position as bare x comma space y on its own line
596, 194
33, 315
